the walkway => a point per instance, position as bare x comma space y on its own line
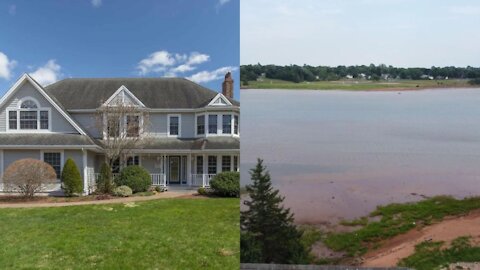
175, 193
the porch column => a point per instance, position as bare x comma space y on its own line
189, 169
219, 163
85, 172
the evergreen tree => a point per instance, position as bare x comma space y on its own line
71, 178
104, 181
268, 233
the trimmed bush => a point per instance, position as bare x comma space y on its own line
122, 191
28, 176
226, 184
202, 191
136, 177
104, 181
71, 178
159, 189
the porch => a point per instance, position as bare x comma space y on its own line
176, 169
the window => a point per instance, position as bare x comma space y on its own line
199, 165
29, 104
113, 127
226, 163
212, 124
43, 119
28, 120
12, 120
212, 164
116, 166
134, 160
235, 124
235, 163
200, 124
226, 124
133, 125
54, 159
174, 125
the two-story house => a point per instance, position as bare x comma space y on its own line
193, 132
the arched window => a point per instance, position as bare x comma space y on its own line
29, 116
29, 104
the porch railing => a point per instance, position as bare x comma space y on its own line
158, 179
202, 180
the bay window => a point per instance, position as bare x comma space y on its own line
235, 124
200, 124
212, 124
227, 124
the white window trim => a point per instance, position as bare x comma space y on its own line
38, 110
62, 159
219, 96
219, 125
204, 123
179, 125
123, 125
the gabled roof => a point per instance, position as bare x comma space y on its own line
26, 78
155, 93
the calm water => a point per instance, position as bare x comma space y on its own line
339, 154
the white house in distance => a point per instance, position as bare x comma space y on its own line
194, 132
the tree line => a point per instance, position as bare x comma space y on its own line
295, 73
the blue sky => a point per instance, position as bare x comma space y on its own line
402, 33
57, 39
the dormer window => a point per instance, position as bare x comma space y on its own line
29, 116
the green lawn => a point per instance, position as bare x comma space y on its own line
160, 234
355, 84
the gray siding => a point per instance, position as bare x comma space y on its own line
77, 156
188, 125
158, 124
58, 122
11, 156
88, 122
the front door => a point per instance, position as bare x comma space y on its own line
174, 170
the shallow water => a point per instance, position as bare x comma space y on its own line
339, 154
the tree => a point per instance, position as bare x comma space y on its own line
104, 180
125, 128
268, 233
28, 176
71, 178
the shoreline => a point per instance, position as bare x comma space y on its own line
387, 89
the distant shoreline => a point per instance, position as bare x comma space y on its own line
360, 85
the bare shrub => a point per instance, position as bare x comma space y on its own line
28, 176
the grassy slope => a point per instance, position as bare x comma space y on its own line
160, 234
397, 219
433, 255
355, 85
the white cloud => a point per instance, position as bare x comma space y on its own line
6, 66
96, 3
207, 76
169, 64
223, 2
12, 10
47, 74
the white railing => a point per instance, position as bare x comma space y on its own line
202, 180
159, 179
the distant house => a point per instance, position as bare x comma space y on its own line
194, 132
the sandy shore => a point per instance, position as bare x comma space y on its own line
402, 246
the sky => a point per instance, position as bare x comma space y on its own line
56, 39
403, 33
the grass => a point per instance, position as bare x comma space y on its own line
159, 234
397, 219
432, 255
356, 84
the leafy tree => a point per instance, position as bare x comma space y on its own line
71, 178
268, 233
104, 180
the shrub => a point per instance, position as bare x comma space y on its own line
71, 178
28, 176
226, 184
104, 180
136, 177
202, 191
159, 189
122, 191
